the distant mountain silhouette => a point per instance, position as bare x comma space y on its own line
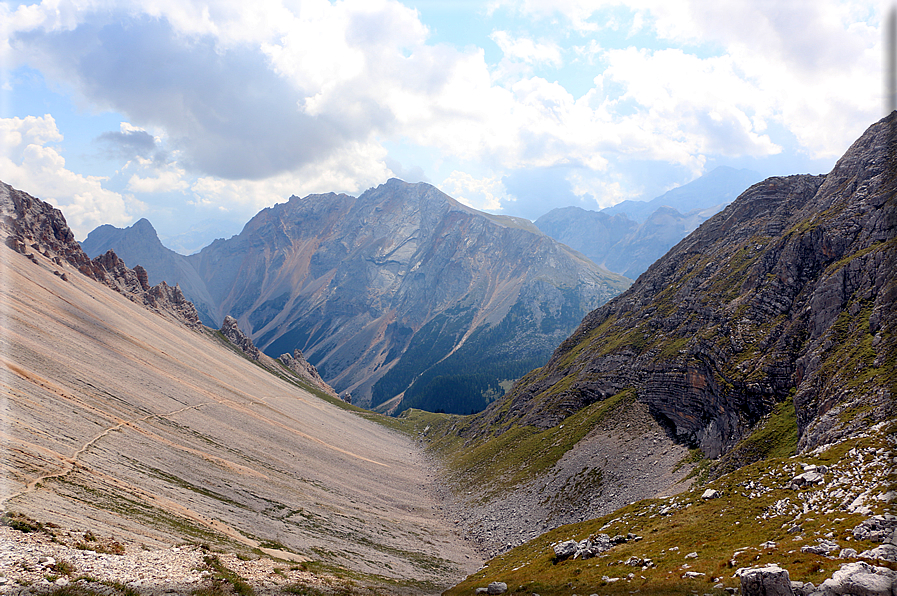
629, 236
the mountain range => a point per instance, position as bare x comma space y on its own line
768, 331
401, 296
709, 192
628, 237
726, 420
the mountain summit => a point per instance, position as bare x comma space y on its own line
401, 295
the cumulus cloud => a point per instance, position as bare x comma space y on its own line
130, 143
528, 50
28, 163
480, 193
800, 62
169, 180
703, 103
226, 110
351, 169
261, 100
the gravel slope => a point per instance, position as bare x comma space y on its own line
121, 422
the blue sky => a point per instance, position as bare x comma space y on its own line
197, 114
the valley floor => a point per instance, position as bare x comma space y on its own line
612, 466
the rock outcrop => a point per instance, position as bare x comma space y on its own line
878, 528
32, 227
139, 245
297, 364
785, 295
594, 546
766, 581
231, 331
302, 367
859, 579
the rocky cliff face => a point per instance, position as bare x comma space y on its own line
140, 245
787, 295
302, 367
231, 331
401, 291
33, 227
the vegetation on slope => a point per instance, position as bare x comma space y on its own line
502, 460
757, 520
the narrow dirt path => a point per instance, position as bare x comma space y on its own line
72, 461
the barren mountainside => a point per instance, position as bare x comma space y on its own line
401, 291
784, 297
126, 431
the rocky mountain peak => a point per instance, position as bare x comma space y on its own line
401, 291
30, 224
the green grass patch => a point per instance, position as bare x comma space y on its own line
726, 533
495, 463
775, 436
21, 522
222, 574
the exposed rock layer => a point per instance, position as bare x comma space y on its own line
787, 293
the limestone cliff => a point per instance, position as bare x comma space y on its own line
32, 227
786, 295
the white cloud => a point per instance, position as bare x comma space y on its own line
485, 194
352, 169
802, 62
169, 180
527, 50
29, 164
703, 105
256, 101
603, 191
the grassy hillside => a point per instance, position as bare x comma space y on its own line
757, 520
509, 456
